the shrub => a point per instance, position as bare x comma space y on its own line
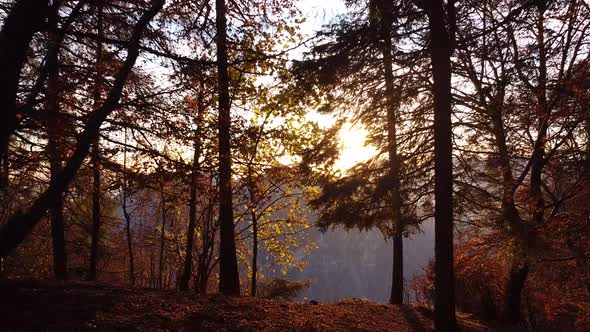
279, 288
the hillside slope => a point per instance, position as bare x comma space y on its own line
39, 305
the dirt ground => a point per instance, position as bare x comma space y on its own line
35, 305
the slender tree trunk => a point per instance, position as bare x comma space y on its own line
95, 236
207, 248
190, 233
152, 269
586, 161
392, 97
5, 169
53, 146
21, 223
162, 236
129, 241
229, 280
441, 27
254, 218
538, 156
127, 216
23, 21
96, 152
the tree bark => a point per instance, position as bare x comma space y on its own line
441, 27
53, 144
21, 223
229, 280
190, 232
24, 20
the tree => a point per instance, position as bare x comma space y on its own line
229, 280
190, 233
24, 20
53, 142
523, 194
95, 155
441, 22
387, 191
397, 288
20, 224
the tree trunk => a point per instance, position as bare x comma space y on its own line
152, 269
538, 156
190, 233
95, 236
53, 144
21, 223
586, 161
129, 241
392, 97
519, 270
162, 235
207, 248
229, 280
127, 216
514, 287
5, 169
23, 21
441, 48
254, 244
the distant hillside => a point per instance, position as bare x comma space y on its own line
359, 264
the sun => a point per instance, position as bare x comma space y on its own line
353, 147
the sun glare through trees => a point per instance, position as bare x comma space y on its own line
295, 165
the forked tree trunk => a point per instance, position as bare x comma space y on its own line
519, 271
229, 280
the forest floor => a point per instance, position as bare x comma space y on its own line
33, 305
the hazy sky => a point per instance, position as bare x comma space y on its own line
319, 12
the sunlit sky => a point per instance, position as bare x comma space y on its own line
352, 137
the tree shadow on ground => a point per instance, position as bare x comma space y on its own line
413, 319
